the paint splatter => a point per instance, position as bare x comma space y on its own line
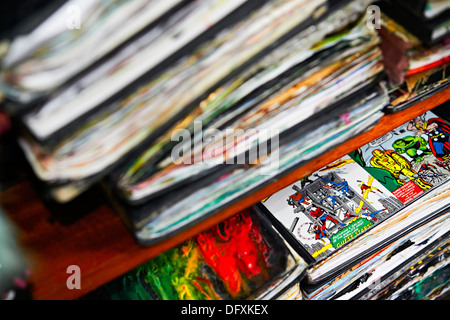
232, 260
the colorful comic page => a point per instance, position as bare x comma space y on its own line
332, 206
411, 159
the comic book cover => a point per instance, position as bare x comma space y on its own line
331, 207
410, 159
341, 201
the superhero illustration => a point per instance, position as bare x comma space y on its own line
330, 204
438, 132
323, 217
331, 196
431, 173
409, 160
342, 200
327, 212
399, 166
415, 147
380, 174
366, 188
371, 215
297, 198
342, 186
443, 164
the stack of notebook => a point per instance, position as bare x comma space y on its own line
313, 90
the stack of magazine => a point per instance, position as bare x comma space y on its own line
314, 90
190, 105
416, 49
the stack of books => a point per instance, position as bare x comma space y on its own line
191, 104
181, 108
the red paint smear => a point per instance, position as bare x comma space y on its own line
233, 251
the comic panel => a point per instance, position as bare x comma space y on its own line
332, 206
411, 159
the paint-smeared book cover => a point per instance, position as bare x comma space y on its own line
341, 201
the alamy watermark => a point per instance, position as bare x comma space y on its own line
73, 20
374, 17
74, 280
230, 146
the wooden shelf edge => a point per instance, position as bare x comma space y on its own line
103, 248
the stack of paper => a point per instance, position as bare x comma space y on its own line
204, 101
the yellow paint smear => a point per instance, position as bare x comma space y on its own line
315, 254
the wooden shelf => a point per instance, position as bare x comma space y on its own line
99, 243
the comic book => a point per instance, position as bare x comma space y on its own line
411, 159
380, 270
325, 211
427, 279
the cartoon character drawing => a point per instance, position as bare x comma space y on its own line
349, 215
297, 198
429, 172
364, 187
323, 216
415, 147
384, 176
443, 164
427, 167
332, 197
397, 165
343, 185
438, 132
371, 216
319, 230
